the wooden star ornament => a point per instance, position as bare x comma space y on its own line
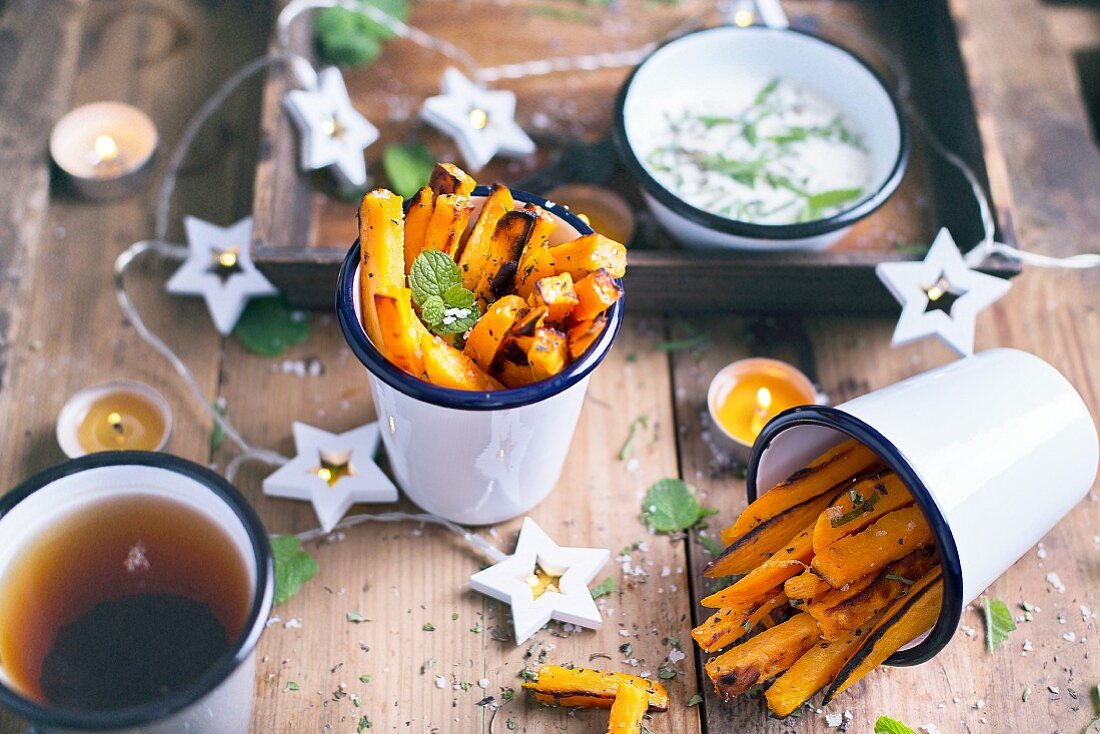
542, 580
941, 296
219, 268
333, 471
481, 121
332, 131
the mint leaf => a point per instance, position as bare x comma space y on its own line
670, 506
433, 273
432, 311
345, 37
268, 326
886, 725
407, 167
998, 622
459, 297
713, 546
445, 306
694, 700
831, 198
605, 587
293, 566
1094, 722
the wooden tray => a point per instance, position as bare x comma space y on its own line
303, 229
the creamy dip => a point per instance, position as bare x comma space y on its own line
767, 152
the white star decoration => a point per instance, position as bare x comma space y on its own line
333, 132
943, 273
510, 582
481, 121
219, 268
333, 471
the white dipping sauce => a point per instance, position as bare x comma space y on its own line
767, 151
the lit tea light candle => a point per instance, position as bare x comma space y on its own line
121, 415
745, 395
604, 210
104, 148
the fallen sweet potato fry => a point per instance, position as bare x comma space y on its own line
813, 671
474, 256
893, 536
587, 688
589, 253
450, 216
381, 238
908, 618
485, 339
447, 178
728, 625
758, 545
416, 225
629, 708
763, 656
836, 466
859, 507
784, 563
447, 367
838, 611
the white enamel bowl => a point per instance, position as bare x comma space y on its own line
475, 458
692, 66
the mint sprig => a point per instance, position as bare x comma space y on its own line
998, 622
293, 566
886, 725
670, 506
445, 306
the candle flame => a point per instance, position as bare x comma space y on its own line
743, 18
333, 127
115, 421
763, 399
542, 581
479, 118
106, 149
227, 259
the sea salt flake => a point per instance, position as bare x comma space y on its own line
1054, 581
440, 682
1069, 636
929, 729
483, 683
676, 656
1041, 552
980, 703
293, 624
833, 720
624, 633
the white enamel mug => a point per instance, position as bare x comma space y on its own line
996, 449
219, 701
476, 458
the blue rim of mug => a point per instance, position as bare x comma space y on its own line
45, 714
725, 225
838, 420
377, 364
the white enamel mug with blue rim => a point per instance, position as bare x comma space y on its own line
475, 458
680, 72
996, 448
218, 702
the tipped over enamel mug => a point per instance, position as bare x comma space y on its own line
475, 458
996, 449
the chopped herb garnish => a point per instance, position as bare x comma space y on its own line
428, 627
292, 686
627, 450
860, 506
605, 587
998, 622
357, 618
901, 579
694, 701
364, 678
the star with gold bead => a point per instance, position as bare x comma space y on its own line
941, 296
542, 580
219, 268
332, 131
481, 121
333, 471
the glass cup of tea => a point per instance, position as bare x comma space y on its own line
134, 588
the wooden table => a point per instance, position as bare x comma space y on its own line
60, 329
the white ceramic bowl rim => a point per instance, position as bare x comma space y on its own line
710, 220
254, 624
395, 377
821, 415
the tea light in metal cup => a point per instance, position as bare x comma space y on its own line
120, 415
746, 394
604, 210
104, 149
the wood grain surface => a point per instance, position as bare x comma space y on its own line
61, 330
